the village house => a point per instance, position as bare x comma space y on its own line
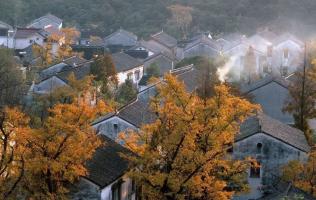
164, 62
89, 47
120, 39
127, 68
273, 144
271, 93
200, 45
106, 178
56, 76
138, 112
288, 54
6, 35
160, 49
269, 55
163, 39
28, 56
49, 23
25, 37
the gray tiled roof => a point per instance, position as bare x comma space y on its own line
80, 72
203, 39
124, 32
124, 62
156, 47
165, 39
190, 79
4, 25
138, 113
74, 61
65, 65
44, 21
262, 82
262, 123
107, 163
272, 94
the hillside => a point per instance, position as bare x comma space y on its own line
100, 17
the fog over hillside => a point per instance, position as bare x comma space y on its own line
100, 17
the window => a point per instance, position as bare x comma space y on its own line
230, 150
259, 148
137, 75
131, 189
286, 53
269, 51
116, 190
130, 76
115, 126
255, 170
284, 71
31, 41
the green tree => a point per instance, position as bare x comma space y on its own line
153, 70
105, 73
208, 76
126, 92
39, 108
11, 79
302, 101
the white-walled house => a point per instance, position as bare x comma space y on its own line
278, 55
288, 54
106, 178
24, 37
127, 68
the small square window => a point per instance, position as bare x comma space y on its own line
130, 76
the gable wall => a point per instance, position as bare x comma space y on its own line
272, 98
122, 76
275, 154
107, 127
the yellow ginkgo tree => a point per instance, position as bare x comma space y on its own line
57, 151
182, 155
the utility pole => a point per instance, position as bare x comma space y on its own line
302, 118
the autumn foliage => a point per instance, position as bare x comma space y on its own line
46, 159
302, 175
13, 132
182, 155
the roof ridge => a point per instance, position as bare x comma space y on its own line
154, 35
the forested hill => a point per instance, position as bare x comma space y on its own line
100, 17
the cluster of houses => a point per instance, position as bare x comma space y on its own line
262, 63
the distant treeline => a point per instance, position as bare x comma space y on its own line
143, 17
